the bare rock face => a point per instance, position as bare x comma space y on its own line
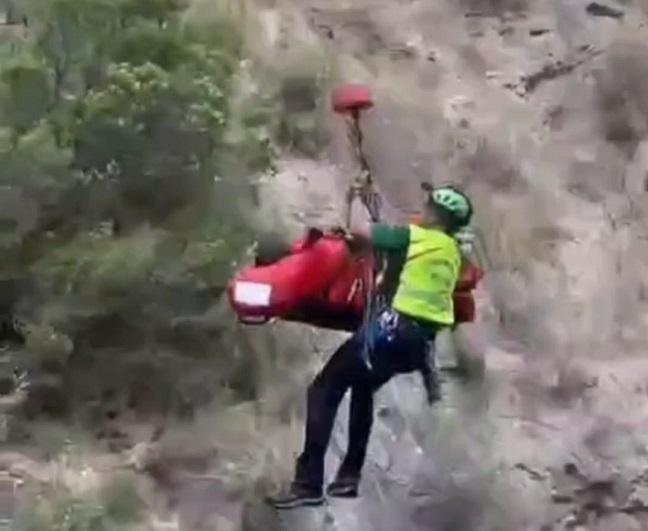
538, 109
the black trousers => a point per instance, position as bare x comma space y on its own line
398, 347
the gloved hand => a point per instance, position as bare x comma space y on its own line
355, 242
341, 231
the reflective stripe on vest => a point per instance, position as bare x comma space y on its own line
429, 276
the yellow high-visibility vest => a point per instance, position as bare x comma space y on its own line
429, 276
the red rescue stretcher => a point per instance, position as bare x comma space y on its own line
322, 281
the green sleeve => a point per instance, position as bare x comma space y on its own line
388, 238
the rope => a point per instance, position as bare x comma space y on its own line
363, 189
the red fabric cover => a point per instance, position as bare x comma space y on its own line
464, 301
464, 307
470, 276
321, 277
323, 283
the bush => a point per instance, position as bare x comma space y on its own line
122, 139
26, 93
115, 505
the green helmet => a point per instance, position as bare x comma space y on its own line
454, 202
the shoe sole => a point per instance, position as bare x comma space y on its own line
348, 494
304, 502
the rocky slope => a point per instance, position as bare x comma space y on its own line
539, 110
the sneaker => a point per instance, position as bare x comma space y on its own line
343, 488
296, 496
